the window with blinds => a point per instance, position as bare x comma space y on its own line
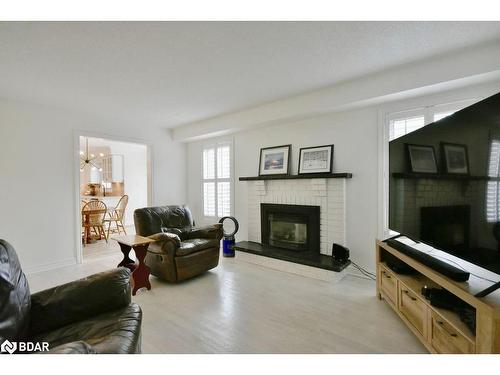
217, 180
402, 123
401, 126
492, 188
440, 115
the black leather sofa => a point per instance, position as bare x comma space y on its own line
91, 315
181, 251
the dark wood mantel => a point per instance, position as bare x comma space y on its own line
297, 177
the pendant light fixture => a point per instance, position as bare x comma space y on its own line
87, 159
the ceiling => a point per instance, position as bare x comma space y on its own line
173, 73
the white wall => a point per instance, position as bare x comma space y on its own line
356, 136
37, 176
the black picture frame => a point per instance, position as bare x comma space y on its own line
462, 170
413, 163
330, 164
287, 158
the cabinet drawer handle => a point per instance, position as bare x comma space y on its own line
452, 334
408, 294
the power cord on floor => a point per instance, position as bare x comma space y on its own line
364, 272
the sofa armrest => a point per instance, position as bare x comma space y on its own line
213, 231
80, 300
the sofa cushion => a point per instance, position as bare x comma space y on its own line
113, 332
196, 244
15, 301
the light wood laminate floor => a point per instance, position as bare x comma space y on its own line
245, 308
101, 248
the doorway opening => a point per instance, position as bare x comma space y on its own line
114, 180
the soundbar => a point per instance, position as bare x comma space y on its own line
446, 269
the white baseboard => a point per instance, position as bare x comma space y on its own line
297, 269
50, 266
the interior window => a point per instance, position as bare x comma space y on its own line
217, 180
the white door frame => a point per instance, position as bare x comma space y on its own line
76, 176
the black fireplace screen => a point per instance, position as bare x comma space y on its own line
292, 227
289, 231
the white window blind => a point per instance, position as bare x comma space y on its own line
217, 180
404, 122
492, 188
441, 115
401, 126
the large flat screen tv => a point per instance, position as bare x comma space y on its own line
444, 184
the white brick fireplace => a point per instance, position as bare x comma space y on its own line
327, 193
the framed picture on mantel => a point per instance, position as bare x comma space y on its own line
274, 160
421, 158
455, 158
318, 159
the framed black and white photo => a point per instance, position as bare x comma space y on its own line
455, 158
274, 160
422, 159
317, 159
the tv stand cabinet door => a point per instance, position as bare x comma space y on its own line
413, 309
389, 285
446, 339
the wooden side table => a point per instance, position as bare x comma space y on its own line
140, 271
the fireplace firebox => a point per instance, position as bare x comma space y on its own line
292, 227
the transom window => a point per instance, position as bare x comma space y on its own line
405, 125
217, 180
402, 123
441, 115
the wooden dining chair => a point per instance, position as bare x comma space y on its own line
93, 215
117, 214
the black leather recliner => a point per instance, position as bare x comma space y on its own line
181, 251
91, 315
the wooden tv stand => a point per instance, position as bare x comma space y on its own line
440, 330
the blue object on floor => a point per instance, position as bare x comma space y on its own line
227, 247
228, 240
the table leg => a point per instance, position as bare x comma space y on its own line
86, 231
141, 273
126, 262
85, 237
